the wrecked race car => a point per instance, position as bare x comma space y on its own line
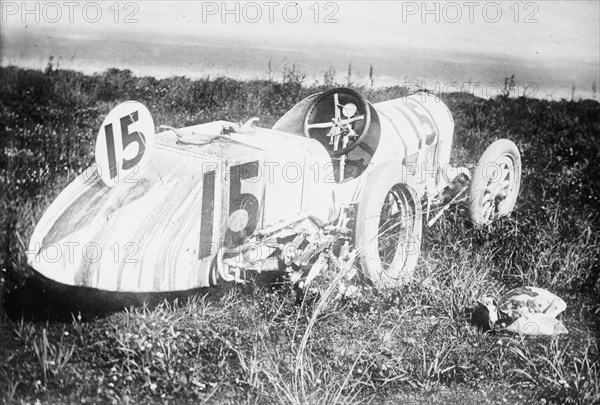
336, 179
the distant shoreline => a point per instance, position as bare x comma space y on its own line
483, 90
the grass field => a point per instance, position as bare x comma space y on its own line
262, 343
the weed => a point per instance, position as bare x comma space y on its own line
51, 357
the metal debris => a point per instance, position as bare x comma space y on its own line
528, 311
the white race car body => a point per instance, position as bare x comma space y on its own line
171, 223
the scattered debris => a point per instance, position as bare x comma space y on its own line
524, 310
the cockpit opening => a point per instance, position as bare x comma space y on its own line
343, 122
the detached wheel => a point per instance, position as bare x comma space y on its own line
496, 182
388, 228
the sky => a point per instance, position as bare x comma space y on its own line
552, 43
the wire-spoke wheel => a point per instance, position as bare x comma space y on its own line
388, 228
496, 182
396, 224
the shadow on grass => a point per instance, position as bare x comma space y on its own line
39, 298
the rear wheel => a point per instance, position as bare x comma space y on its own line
496, 182
388, 228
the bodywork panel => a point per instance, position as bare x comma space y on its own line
160, 228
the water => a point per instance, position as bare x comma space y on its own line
442, 69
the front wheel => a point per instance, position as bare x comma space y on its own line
496, 182
388, 228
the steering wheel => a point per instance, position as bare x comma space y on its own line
339, 118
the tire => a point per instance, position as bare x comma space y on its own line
388, 254
496, 182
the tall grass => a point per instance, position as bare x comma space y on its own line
272, 344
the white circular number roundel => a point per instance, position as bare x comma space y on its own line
124, 142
